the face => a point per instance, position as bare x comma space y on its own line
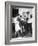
24, 15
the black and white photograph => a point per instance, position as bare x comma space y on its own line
20, 22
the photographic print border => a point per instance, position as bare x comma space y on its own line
7, 23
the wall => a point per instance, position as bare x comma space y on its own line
2, 23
